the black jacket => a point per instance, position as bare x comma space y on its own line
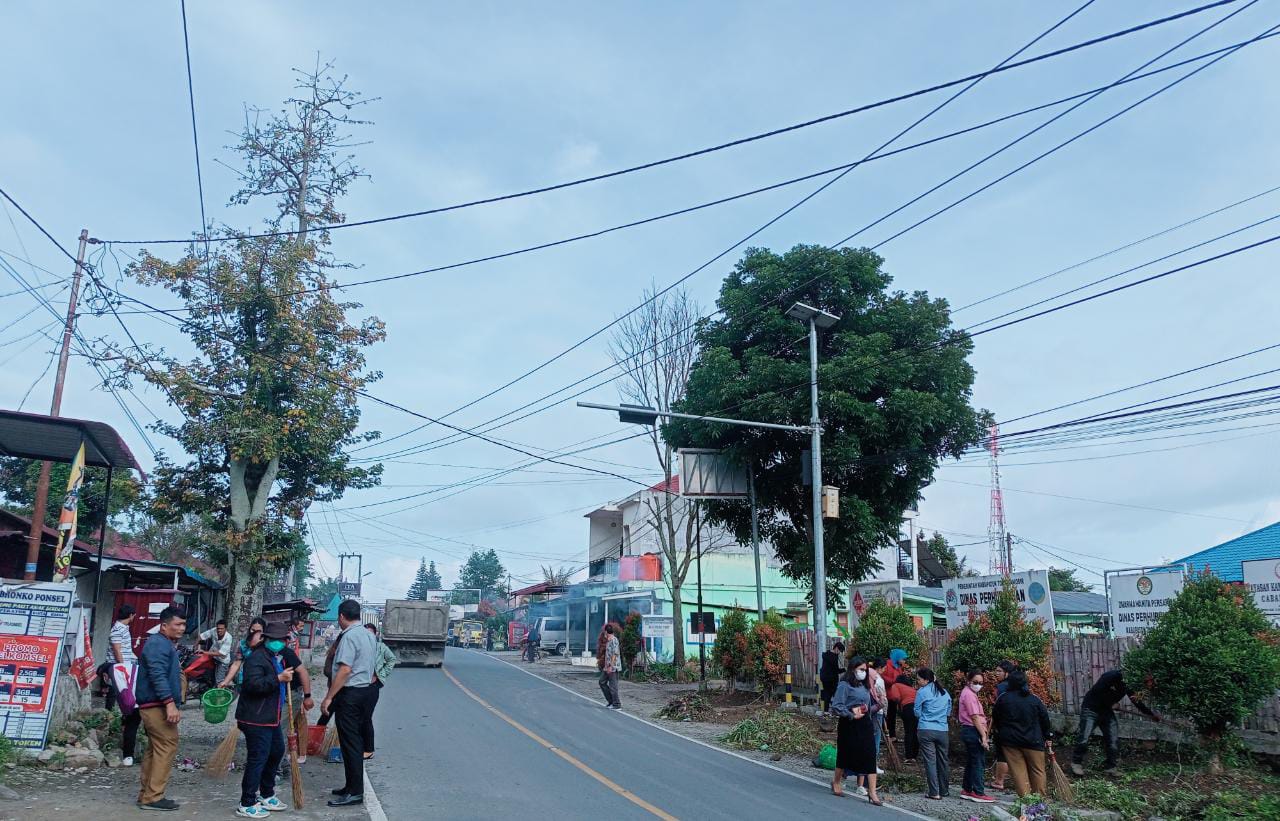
831, 669
260, 693
1021, 720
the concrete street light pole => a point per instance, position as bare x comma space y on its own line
816, 319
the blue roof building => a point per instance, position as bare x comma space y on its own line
1224, 559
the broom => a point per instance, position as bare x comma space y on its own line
295, 774
304, 735
221, 758
1061, 784
891, 755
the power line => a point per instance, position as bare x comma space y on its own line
972, 78
1098, 501
195, 133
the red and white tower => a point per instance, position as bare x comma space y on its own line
997, 536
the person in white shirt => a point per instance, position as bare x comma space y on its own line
120, 651
220, 649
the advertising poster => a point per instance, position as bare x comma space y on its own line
967, 598
1137, 600
862, 594
33, 622
1262, 577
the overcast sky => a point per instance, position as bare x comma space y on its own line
485, 98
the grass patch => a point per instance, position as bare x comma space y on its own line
776, 732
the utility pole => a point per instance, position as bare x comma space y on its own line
42, 484
1008, 552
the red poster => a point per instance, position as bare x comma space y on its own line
28, 665
82, 666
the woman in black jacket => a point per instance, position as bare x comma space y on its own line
829, 673
1023, 723
262, 695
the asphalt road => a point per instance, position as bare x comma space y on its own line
443, 754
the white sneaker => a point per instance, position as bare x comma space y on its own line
127, 761
862, 791
879, 771
272, 804
256, 811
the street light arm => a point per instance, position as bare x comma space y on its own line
635, 412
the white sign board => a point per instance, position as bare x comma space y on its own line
34, 619
862, 594
658, 627
967, 598
1137, 600
1262, 577
708, 474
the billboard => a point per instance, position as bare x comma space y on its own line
862, 594
709, 474
33, 623
968, 597
1136, 600
1262, 577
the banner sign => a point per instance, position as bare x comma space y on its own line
1137, 600
658, 627
968, 597
704, 622
1262, 577
82, 666
68, 520
33, 622
862, 594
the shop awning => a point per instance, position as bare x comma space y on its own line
57, 438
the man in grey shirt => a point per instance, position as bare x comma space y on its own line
350, 699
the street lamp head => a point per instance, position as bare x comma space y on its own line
804, 313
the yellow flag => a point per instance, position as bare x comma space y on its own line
68, 518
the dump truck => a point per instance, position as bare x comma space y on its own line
416, 631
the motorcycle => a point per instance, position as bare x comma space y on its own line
197, 672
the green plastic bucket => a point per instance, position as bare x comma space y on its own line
216, 702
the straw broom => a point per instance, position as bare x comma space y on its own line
304, 735
330, 739
295, 774
891, 755
221, 758
1060, 783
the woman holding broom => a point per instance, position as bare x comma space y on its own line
258, 715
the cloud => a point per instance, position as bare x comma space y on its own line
577, 157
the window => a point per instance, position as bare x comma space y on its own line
553, 625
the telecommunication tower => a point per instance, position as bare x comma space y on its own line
1000, 562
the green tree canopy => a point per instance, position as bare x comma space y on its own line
1064, 579
427, 578
895, 400
883, 627
953, 565
482, 571
433, 577
1212, 658
18, 479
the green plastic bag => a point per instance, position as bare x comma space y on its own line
826, 758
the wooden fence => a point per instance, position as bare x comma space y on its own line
804, 659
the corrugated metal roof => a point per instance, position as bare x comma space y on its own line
1224, 559
57, 438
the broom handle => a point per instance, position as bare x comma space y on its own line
288, 695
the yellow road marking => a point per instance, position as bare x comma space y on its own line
612, 785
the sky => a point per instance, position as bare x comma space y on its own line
480, 99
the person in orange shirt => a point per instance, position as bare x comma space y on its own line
902, 697
895, 665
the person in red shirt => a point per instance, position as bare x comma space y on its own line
892, 668
902, 697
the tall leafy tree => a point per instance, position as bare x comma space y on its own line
483, 572
953, 564
18, 479
269, 398
895, 386
1064, 579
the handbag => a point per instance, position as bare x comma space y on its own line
124, 677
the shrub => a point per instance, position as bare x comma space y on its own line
732, 649
1212, 658
689, 707
769, 651
884, 627
630, 642
1002, 633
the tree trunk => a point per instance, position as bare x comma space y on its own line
677, 624
244, 594
247, 573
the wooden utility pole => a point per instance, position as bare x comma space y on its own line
42, 485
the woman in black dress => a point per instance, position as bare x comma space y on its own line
829, 675
855, 734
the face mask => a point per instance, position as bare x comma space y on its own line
275, 645
975, 687
861, 674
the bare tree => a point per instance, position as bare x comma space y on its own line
556, 576
656, 348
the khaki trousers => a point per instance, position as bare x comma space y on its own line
1027, 768
157, 762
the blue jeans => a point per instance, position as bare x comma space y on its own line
975, 763
265, 747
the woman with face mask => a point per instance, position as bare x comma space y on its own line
933, 707
258, 715
855, 735
974, 731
